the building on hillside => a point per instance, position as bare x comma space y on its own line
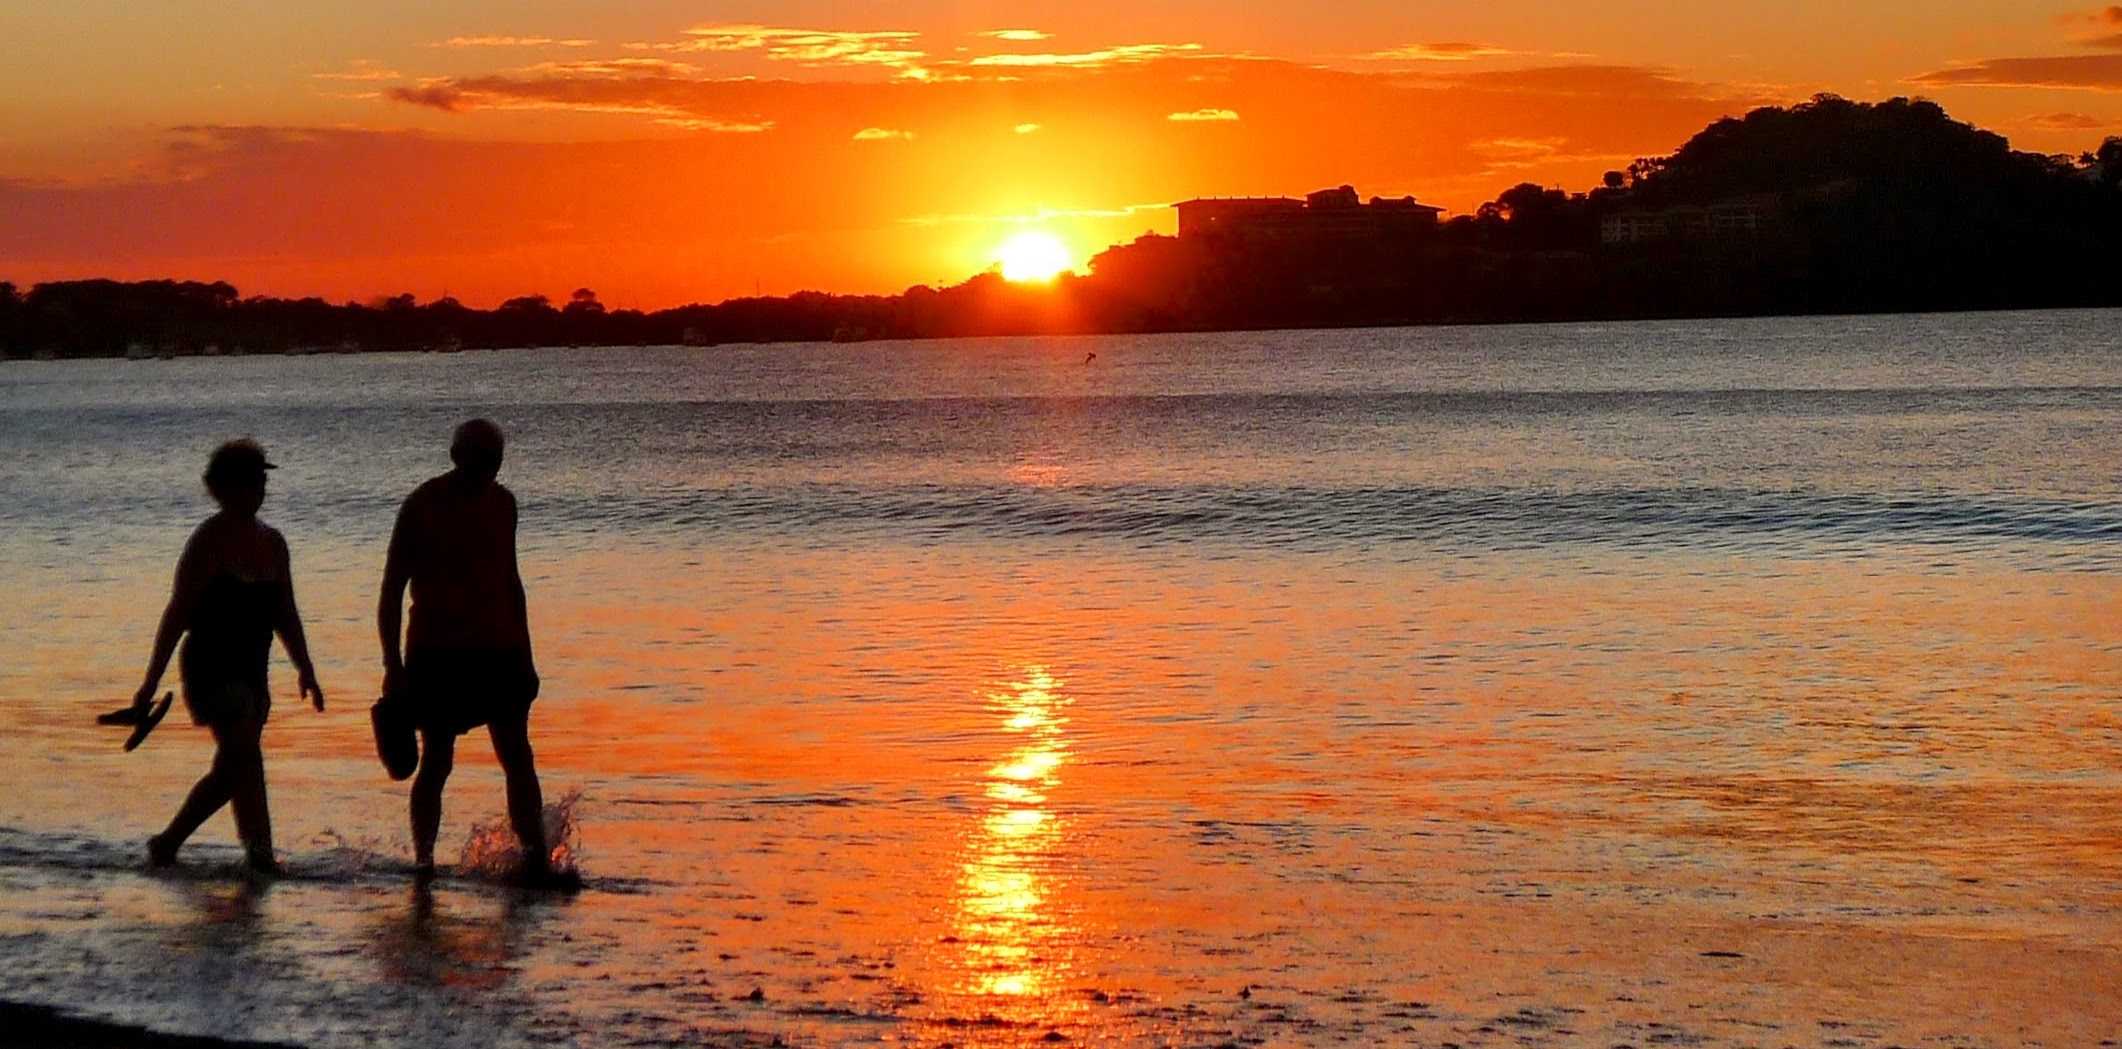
1329, 214
1739, 218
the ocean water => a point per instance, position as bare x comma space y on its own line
1715, 683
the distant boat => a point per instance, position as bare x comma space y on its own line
449, 345
850, 333
137, 351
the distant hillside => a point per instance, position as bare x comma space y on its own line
1826, 206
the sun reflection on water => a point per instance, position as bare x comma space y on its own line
1004, 918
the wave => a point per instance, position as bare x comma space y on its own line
1496, 519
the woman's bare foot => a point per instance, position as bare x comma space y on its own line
160, 853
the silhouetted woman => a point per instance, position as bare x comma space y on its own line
233, 593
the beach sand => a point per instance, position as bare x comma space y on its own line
37, 1027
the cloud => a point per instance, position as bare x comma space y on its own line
443, 96
2081, 72
511, 41
2110, 15
1026, 129
883, 134
1120, 55
1579, 81
1199, 116
814, 47
2066, 122
361, 70
672, 94
722, 127
1519, 152
1445, 51
1041, 216
1016, 34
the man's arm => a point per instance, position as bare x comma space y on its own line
390, 604
515, 577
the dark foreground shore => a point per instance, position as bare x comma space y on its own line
40, 1027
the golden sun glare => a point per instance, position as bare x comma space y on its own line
1033, 256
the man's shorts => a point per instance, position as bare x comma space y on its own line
456, 690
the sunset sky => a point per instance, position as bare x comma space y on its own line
666, 152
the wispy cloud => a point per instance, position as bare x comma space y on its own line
1197, 116
1118, 55
883, 134
360, 69
1043, 215
512, 41
2066, 122
816, 47
1442, 51
720, 127
1026, 129
666, 92
2110, 15
2081, 72
1016, 34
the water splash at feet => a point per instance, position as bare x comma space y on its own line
491, 851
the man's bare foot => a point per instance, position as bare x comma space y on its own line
160, 853
543, 876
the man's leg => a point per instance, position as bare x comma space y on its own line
526, 804
438, 755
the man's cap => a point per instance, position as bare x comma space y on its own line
238, 458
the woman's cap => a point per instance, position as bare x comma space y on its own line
236, 459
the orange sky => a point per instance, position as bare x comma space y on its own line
682, 152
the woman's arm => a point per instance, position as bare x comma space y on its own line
289, 627
191, 578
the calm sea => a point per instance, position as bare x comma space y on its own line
1710, 683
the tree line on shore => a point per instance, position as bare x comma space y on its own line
1848, 207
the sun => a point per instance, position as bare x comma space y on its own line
1033, 256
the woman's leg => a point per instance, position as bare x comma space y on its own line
208, 795
241, 742
438, 755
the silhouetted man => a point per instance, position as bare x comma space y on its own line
467, 655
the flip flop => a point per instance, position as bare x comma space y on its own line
396, 742
144, 724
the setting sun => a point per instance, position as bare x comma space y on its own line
1033, 256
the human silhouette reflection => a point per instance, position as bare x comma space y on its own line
430, 947
234, 590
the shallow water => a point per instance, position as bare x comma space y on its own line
1721, 683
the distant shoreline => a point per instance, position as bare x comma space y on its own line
1351, 326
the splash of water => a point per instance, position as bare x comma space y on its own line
492, 851
342, 856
